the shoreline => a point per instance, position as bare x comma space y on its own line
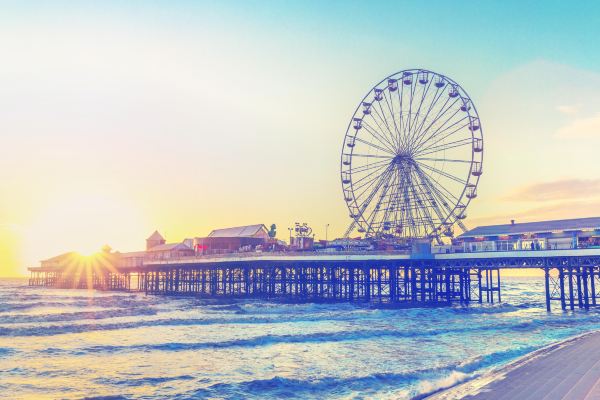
473, 386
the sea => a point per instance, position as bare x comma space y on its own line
68, 344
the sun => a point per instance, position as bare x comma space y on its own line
81, 221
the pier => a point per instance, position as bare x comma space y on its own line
572, 277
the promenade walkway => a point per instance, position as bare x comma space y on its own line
569, 371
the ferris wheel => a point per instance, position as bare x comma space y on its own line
412, 157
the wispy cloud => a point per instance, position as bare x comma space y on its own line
571, 109
557, 190
582, 128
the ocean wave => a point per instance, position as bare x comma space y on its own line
437, 323
76, 316
282, 387
5, 351
11, 305
416, 383
269, 340
147, 380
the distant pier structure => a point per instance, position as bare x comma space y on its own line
375, 278
572, 277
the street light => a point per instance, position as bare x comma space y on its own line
290, 229
326, 229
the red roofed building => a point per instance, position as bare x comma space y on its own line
230, 240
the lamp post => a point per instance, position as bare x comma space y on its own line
326, 229
290, 229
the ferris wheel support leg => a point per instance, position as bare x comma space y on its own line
462, 226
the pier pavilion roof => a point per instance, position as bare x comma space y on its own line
256, 231
562, 225
168, 247
60, 260
156, 236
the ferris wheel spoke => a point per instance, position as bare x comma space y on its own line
449, 207
446, 174
366, 185
446, 211
440, 197
418, 113
375, 210
380, 133
390, 107
410, 108
401, 122
363, 168
443, 159
384, 206
445, 193
408, 206
443, 128
361, 200
393, 136
382, 184
401, 205
408, 122
423, 211
425, 135
365, 180
385, 150
390, 200
445, 146
419, 130
395, 205
362, 207
375, 133
371, 156
429, 193
426, 146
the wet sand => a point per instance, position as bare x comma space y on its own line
565, 370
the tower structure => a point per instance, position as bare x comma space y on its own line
155, 239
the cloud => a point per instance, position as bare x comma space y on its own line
569, 109
557, 190
586, 128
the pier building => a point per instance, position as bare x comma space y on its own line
543, 235
231, 240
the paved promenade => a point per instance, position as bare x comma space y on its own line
570, 371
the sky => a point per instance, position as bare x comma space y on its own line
119, 118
